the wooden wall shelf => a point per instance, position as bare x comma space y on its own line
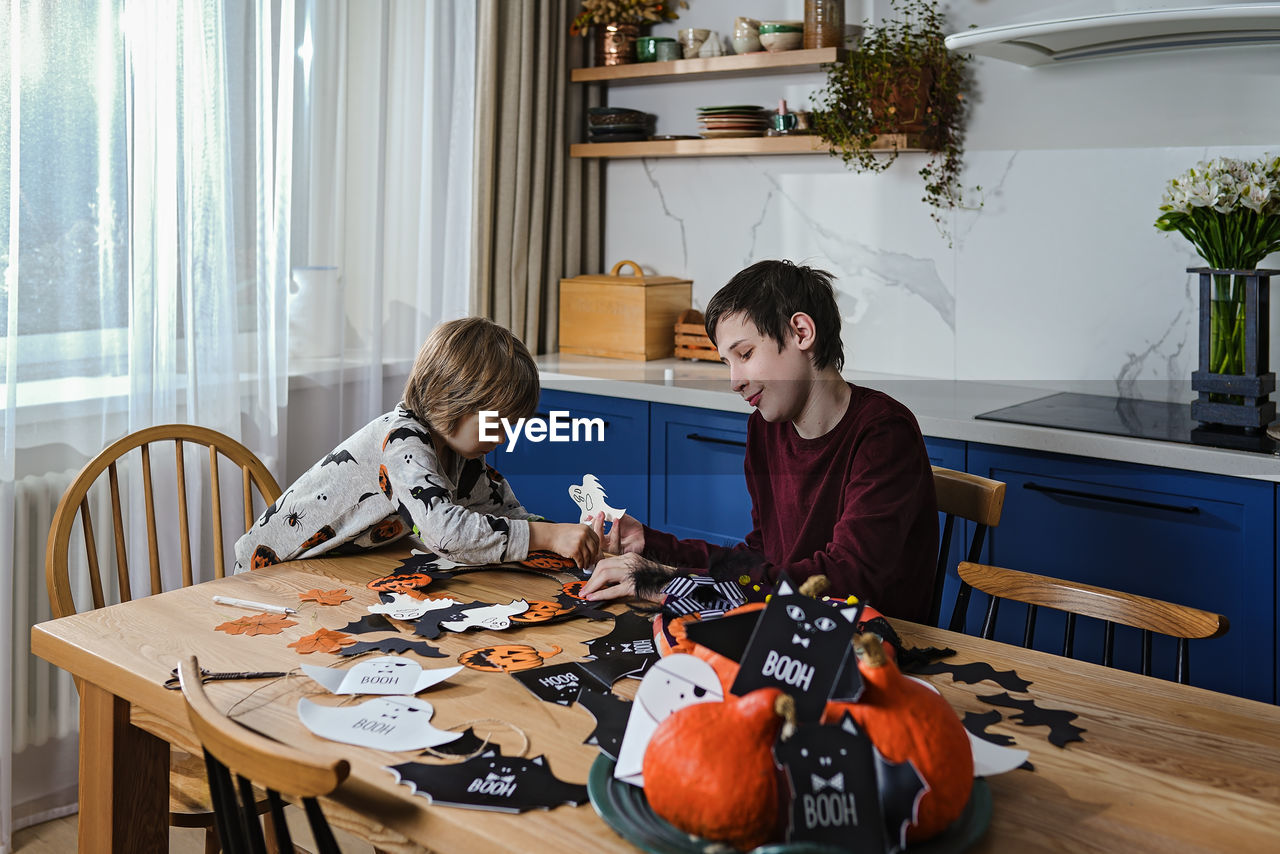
809, 144
716, 66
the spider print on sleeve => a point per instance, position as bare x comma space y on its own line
273, 510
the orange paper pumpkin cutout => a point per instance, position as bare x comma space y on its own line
574, 589
547, 560
408, 583
540, 611
322, 640
257, 624
326, 597
507, 658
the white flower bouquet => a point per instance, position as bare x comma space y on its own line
1230, 211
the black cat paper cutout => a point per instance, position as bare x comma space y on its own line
559, 683
977, 671
611, 713
977, 724
1061, 730
491, 781
394, 645
628, 650
370, 623
463, 745
799, 645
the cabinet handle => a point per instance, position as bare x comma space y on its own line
546, 416
715, 440
1132, 502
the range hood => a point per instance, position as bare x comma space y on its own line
1043, 42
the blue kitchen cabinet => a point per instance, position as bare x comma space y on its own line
1202, 540
950, 454
542, 472
696, 484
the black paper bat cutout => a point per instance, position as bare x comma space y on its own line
1061, 730
338, 457
428, 625
368, 623
491, 781
581, 608
394, 645
977, 723
976, 671
628, 650
611, 713
401, 433
464, 744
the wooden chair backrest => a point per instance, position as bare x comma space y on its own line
966, 496
231, 749
1112, 607
75, 504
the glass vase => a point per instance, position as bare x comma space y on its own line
1227, 324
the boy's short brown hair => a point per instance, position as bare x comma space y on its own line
467, 365
770, 292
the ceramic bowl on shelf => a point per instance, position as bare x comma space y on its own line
780, 41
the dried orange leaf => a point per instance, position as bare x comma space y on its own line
322, 640
257, 624
326, 597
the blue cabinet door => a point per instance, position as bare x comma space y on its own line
950, 454
696, 486
1202, 540
542, 472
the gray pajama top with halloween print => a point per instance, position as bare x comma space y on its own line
382, 484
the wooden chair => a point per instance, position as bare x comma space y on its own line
189, 804
1152, 616
230, 749
966, 496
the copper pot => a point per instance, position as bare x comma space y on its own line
616, 43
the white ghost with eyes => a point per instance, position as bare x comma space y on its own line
489, 617
383, 723
385, 675
590, 498
674, 682
404, 607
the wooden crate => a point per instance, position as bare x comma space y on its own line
621, 317
691, 338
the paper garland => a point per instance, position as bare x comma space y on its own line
491, 781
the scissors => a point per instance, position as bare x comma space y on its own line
173, 684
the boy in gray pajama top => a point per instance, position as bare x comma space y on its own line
419, 470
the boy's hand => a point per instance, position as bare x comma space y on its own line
615, 578
577, 542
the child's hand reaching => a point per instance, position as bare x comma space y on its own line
577, 542
625, 535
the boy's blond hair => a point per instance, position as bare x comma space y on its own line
469, 365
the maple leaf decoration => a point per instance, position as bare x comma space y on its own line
322, 640
326, 597
257, 624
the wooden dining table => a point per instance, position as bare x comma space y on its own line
1160, 767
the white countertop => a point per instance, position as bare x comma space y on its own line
944, 408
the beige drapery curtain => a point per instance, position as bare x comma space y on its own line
538, 214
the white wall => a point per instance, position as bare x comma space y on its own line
1059, 277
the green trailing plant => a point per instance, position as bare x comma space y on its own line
901, 79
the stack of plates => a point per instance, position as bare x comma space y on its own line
732, 121
617, 124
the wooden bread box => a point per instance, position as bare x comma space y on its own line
621, 316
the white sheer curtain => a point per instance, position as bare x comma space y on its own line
386, 145
145, 188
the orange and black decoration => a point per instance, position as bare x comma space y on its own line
506, 658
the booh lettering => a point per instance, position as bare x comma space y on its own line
557, 427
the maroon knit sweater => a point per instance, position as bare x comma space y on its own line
856, 505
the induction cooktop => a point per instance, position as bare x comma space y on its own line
1123, 416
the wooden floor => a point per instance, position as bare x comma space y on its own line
59, 837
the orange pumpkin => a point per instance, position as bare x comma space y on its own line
573, 589
908, 721
321, 536
540, 611
263, 556
709, 770
547, 560
508, 658
384, 482
408, 583
386, 530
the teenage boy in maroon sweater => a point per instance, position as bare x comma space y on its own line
839, 478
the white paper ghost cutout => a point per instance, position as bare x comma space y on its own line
387, 674
489, 617
436, 561
674, 682
383, 723
404, 607
590, 498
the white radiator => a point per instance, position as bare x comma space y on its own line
45, 703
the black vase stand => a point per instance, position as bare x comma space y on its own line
1254, 387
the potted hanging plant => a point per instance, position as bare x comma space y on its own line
1230, 211
617, 25
901, 80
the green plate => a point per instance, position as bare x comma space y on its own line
625, 809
